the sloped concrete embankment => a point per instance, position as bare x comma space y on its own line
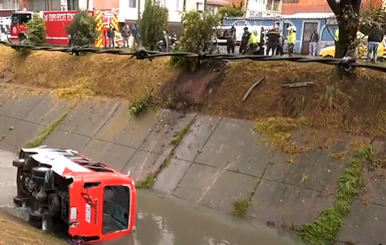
217, 159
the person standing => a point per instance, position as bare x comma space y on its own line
375, 37
244, 41
291, 40
280, 46
313, 46
111, 36
231, 40
126, 34
135, 32
273, 36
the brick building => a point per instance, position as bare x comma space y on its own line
319, 6
304, 6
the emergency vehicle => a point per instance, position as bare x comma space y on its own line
66, 191
5, 26
55, 23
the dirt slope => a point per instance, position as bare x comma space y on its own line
358, 106
106, 75
14, 231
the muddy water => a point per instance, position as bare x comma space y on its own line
167, 221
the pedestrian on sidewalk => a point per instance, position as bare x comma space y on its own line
313, 46
135, 33
375, 37
111, 36
125, 35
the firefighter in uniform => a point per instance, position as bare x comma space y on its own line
244, 41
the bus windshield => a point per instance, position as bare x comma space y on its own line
20, 19
115, 209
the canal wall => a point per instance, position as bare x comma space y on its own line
202, 159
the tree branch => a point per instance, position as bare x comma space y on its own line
356, 5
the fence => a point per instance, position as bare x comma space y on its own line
346, 63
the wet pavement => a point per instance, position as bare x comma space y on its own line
217, 160
165, 220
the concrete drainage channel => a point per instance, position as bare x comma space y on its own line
205, 160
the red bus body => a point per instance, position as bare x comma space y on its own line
55, 22
88, 205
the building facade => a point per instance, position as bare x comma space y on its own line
46, 5
304, 6
320, 6
263, 8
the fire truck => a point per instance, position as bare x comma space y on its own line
55, 23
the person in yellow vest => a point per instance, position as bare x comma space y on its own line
337, 34
252, 43
291, 40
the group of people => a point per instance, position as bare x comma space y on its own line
126, 32
273, 40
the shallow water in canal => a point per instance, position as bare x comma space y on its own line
167, 221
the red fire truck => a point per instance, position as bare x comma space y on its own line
55, 22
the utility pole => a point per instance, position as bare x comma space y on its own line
87, 5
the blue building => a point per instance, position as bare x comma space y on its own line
324, 23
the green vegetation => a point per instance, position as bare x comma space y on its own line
141, 105
324, 229
180, 135
36, 31
240, 206
38, 140
198, 32
83, 29
148, 182
153, 23
232, 10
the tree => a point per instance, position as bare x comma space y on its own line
232, 10
347, 15
82, 29
36, 30
153, 23
371, 16
199, 28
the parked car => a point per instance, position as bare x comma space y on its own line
67, 191
329, 52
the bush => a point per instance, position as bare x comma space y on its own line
36, 31
154, 21
82, 29
198, 33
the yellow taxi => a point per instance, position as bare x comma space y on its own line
329, 52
